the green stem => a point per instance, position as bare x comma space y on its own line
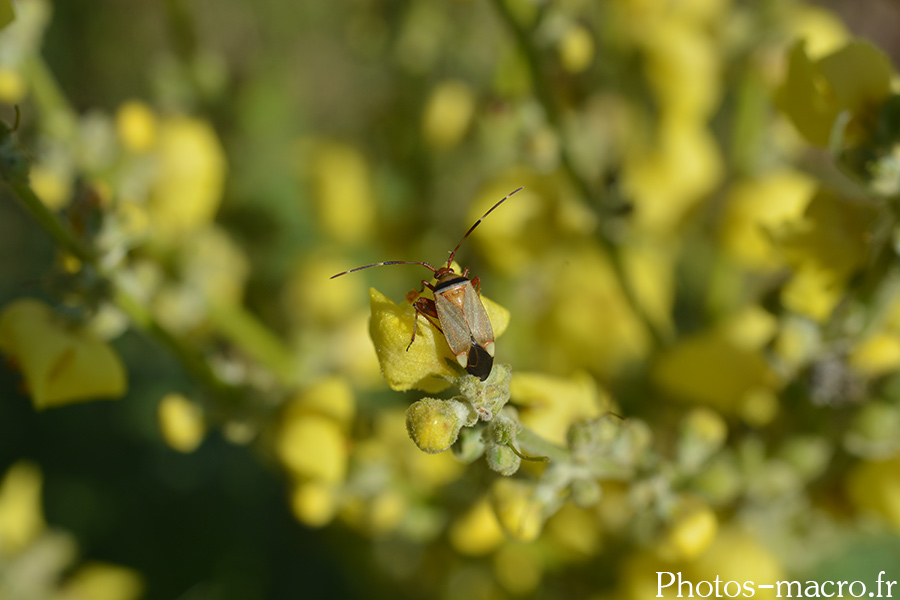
187, 357
534, 445
50, 100
48, 221
140, 316
246, 332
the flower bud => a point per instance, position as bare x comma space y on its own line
434, 424
487, 397
502, 459
470, 444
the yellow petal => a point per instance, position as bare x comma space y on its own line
101, 581
181, 422
710, 369
448, 113
190, 179
313, 447
804, 98
60, 365
428, 364
549, 405
21, 514
476, 532
136, 125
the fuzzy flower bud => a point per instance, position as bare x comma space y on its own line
470, 445
502, 459
487, 397
434, 424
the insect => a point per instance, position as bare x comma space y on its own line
457, 306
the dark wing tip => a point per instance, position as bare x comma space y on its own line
480, 362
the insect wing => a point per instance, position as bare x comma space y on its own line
477, 318
453, 322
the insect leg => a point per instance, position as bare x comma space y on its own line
426, 308
476, 282
413, 295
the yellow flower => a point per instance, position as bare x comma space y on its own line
341, 182
709, 368
825, 248
672, 174
101, 581
429, 364
448, 113
574, 531
314, 503
12, 86
877, 355
518, 512
312, 447
21, 515
181, 422
736, 555
549, 405
136, 125
691, 532
190, 177
874, 486
821, 29
311, 297
855, 79
682, 67
576, 49
756, 209
529, 225
588, 322
330, 397
51, 185
519, 568
476, 532
61, 365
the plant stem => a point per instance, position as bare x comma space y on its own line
534, 445
139, 315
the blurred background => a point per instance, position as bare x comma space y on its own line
692, 250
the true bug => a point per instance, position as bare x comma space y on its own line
457, 306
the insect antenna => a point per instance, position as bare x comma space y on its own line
478, 222
389, 262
